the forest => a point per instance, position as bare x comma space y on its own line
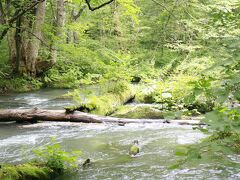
119, 89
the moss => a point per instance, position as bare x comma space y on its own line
138, 112
83, 108
155, 111
105, 104
145, 93
25, 171
144, 98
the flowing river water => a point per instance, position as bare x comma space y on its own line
107, 145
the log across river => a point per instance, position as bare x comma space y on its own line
35, 114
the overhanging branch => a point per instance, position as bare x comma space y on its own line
98, 7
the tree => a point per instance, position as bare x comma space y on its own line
23, 21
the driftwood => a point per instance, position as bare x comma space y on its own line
34, 115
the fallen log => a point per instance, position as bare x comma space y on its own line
34, 115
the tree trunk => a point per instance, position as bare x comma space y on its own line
12, 48
72, 35
10, 38
117, 27
25, 45
59, 32
35, 42
34, 115
2, 17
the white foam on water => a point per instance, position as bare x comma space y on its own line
32, 99
21, 139
190, 137
234, 158
184, 134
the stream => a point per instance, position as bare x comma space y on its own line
107, 145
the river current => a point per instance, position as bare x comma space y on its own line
107, 145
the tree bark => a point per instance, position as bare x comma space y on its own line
72, 35
2, 15
25, 44
34, 43
12, 48
117, 26
34, 115
59, 32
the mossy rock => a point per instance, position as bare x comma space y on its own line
144, 98
138, 112
145, 93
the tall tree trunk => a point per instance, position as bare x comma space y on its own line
11, 35
59, 24
31, 46
35, 42
18, 42
27, 40
2, 16
72, 35
117, 26
12, 49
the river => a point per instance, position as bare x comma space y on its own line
107, 145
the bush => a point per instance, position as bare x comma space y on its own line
50, 162
56, 159
19, 84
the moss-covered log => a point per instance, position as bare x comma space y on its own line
107, 103
34, 115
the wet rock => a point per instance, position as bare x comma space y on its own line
134, 149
